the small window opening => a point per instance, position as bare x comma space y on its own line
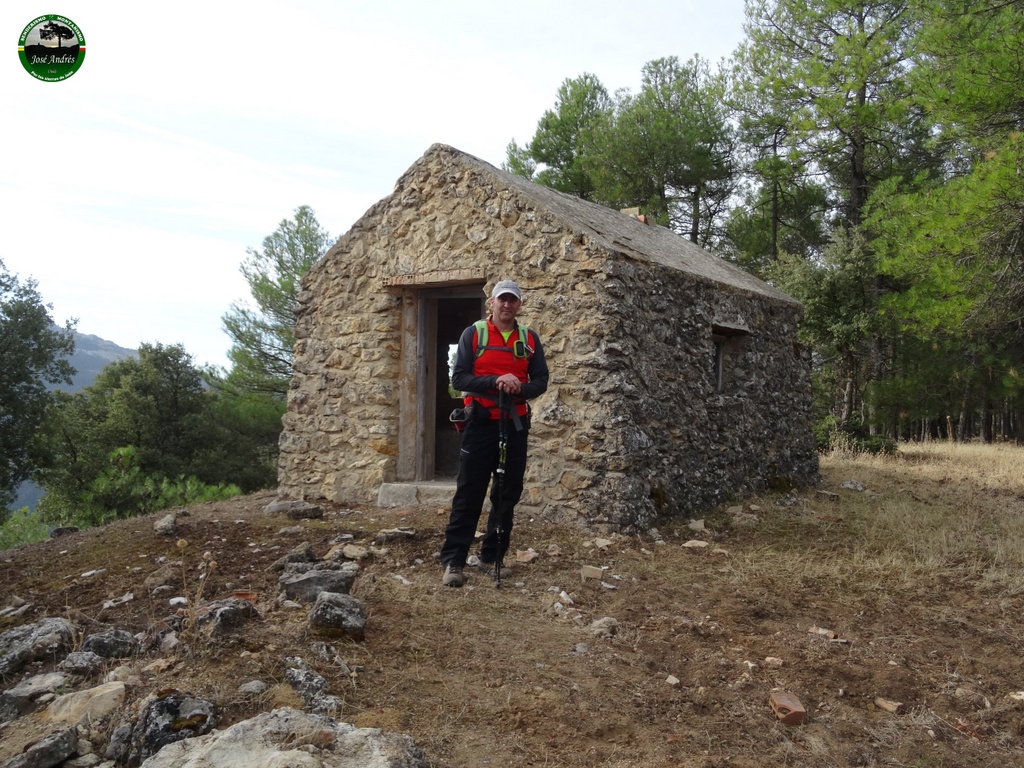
728, 342
719, 360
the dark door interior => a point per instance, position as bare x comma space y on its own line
453, 316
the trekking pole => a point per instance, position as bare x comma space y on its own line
499, 476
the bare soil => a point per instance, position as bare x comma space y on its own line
481, 676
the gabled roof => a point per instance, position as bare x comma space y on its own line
616, 231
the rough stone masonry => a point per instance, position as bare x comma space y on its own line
677, 381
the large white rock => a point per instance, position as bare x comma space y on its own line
92, 704
288, 738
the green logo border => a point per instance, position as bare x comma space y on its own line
48, 72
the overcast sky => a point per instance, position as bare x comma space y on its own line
131, 191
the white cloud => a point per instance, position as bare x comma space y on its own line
133, 189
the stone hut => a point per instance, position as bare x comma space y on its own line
677, 381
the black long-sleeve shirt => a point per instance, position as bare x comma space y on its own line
465, 379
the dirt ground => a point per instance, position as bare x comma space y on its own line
481, 676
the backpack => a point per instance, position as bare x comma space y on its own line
482, 334
519, 351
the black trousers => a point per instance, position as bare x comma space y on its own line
478, 465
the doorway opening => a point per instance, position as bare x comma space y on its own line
454, 314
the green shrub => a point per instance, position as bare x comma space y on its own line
22, 527
123, 490
830, 437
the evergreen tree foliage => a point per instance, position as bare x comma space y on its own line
954, 241
669, 149
825, 98
262, 333
559, 145
147, 432
863, 155
33, 354
831, 76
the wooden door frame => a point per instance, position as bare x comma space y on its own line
417, 402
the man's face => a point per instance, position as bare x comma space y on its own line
505, 307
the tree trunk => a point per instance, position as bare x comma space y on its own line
846, 414
695, 214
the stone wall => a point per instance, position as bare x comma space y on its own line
631, 427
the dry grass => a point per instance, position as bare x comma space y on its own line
920, 572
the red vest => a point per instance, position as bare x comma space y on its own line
497, 359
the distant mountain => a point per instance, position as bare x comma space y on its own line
92, 355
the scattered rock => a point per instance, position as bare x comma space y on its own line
526, 555
696, 544
111, 644
226, 614
82, 663
303, 553
290, 737
92, 704
163, 576
169, 719
338, 614
166, 526
23, 697
33, 642
606, 627
306, 585
311, 687
253, 688
15, 610
52, 750
787, 708
591, 572
852, 485
389, 534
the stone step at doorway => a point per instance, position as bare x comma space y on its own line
432, 493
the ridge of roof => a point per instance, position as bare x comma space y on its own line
618, 232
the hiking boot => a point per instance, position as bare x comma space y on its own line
453, 576
487, 569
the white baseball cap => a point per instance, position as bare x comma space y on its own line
506, 286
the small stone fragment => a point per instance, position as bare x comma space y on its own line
787, 708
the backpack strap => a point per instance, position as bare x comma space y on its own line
481, 337
482, 334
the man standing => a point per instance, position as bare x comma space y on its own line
499, 365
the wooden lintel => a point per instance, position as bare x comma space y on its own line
438, 277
